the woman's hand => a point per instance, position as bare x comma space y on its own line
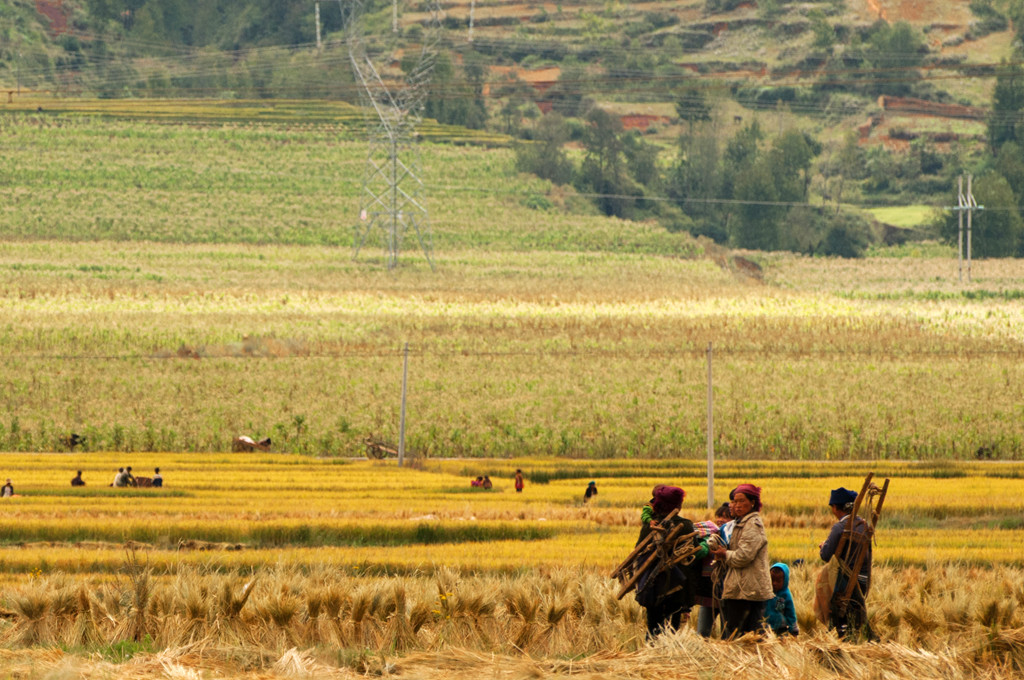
719, 553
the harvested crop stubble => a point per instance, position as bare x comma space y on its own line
282, 620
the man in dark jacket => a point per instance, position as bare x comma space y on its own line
848, 616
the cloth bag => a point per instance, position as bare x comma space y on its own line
824, 586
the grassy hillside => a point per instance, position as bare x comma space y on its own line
78, 178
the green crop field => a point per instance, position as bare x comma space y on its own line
172, 287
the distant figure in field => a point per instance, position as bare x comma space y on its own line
519, 481
129, 477
119, 478
246, 443
478, 482
590, 492
77, 480
158, 480
72, 440
486, 484
7, 490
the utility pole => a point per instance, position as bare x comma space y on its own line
319, 45
961, 203
401, 419
394, 16
711, 437
971, 205
964, 203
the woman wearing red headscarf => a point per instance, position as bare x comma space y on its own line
667, 595
748, 581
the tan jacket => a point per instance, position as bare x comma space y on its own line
749, 576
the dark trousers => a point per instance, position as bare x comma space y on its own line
663, 617
850, 617
742, 617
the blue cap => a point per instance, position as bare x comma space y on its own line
842, 496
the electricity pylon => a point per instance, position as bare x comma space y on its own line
392, 197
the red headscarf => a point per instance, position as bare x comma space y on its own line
666, 499
750, 491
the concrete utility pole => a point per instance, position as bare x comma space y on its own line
401, 419
319, 45
969, 205
972, 204
711, 437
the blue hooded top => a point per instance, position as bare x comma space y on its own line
779, 611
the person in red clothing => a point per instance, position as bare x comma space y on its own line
519, 481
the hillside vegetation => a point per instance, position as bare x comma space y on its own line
767, 125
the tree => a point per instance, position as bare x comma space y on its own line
692, 106
824, 33
566, 96
757, 223
741, 151
896, 52
517, 104
1006, 122
790, 161
545, 157
695, 184
452, 101
641, 159
603, 171
1010, 164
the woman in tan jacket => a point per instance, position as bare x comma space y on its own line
748, 581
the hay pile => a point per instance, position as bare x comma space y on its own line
683, 655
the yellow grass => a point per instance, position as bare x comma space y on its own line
265, 565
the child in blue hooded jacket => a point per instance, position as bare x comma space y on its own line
779, 611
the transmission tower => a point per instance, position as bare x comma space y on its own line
392, 198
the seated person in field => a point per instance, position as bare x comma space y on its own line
119, 478
478, 482
486, 483
7, 490
158, 479
77, 480
590, 492
129, 477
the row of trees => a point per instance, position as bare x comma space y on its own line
752, 193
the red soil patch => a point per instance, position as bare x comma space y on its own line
54, 11
918, 12
922, 107
641, 121
541, 79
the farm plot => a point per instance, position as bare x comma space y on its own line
345, 566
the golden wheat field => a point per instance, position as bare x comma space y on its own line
270, 565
